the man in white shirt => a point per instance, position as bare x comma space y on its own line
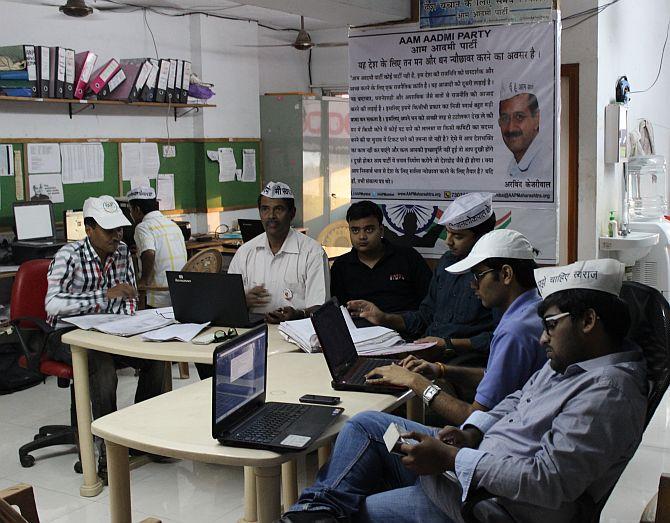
285, 273
160, 244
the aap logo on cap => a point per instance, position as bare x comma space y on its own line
109, 206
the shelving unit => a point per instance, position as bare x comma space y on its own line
76, 106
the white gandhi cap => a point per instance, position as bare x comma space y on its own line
503, 243
105, 211
277, 190
141, 193
468, 210
604, 275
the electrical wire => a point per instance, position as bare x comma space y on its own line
660, 65
587, 14
153, 39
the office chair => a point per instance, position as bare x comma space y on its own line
28, 317
650, 329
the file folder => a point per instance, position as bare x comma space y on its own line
103, 75
53, 71
84, 63
60, 76
31, 67
178, 81
161, 87
44, 71
131, 69
141, 80
149, 90
172, 74
113, 83
186, 82
69, 74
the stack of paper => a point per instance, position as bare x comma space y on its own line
178, 331
369, 341
122, 325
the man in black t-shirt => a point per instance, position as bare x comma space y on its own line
395, 278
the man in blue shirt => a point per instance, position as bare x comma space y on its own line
564, 438
450, 315
502, 264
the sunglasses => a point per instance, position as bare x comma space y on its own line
479, 276
549, 323
223, 335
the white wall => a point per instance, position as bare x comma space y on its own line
630, 41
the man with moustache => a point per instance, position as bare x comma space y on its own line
285, 273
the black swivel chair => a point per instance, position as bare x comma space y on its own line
650, 329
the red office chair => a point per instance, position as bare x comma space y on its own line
28, 317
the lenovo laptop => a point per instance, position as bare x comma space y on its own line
346, 367
240, 415
199, 297
250, 228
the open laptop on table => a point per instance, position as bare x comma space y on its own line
240, 415
346, 367
250, 228
199, 297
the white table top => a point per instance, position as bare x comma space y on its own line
179, 423
136, 347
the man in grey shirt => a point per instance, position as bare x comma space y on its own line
568, 432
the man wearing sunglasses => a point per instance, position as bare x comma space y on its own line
544, 452
501, 265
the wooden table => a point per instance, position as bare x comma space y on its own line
178, 424
80, 341
223, 246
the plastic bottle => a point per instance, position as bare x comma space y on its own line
612, 226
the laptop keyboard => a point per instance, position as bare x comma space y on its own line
359, 375
271, 422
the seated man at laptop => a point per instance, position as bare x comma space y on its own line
285, 273
394, 278
545, 451
502, 264
96, 275
160, 244
450, 314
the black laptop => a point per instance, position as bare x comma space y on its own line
347, 368
199, 297
250, 228
240, 415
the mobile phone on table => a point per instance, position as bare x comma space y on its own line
319, 400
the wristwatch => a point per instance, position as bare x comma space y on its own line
430, 393
448, 345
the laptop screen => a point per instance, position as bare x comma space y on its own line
240, 373
250, 228
34, 220
74, 225
334, 338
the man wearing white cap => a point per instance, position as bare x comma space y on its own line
96, 275
501, 264
519, 121
285, 273
450, 315
160, 244
544, 451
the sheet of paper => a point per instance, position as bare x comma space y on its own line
179, 331
122, 325
43, 158
165, 192
213, 155
227, 165
139, 160
46, 187
241, 365
395, 349
83, 162
6, 160
248, 165
139, 182
18, 177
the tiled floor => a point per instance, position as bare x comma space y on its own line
188, 491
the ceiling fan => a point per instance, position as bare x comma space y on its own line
303, 41
79, 8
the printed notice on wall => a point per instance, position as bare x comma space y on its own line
439, 113
43, 158
444, 13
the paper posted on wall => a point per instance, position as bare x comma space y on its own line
139, 160
43, 158
165, 192
83, 162
46, 187
6, 160
248, 165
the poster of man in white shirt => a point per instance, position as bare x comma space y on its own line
519, 122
